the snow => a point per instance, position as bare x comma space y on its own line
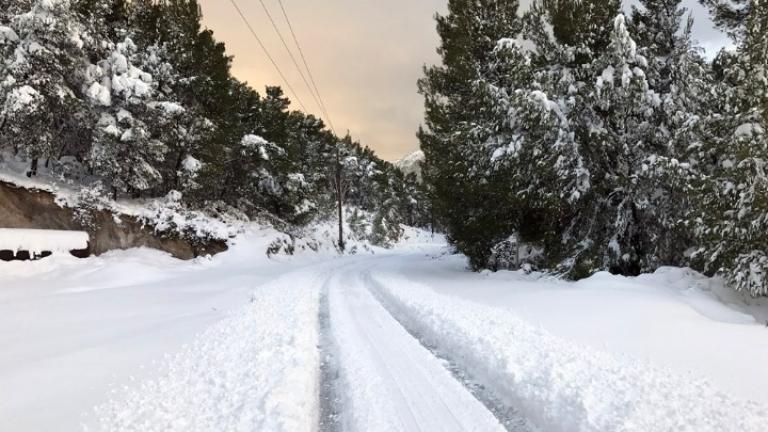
167, 107
77, 333
252, 371
748, 130
411, 163
402, 340
258, 143
37, 241
7, 35
507, 43
254, 141
191, 165
385, 371
21, 98
100, 94
606, 77
675, 318
541, 98
562, 385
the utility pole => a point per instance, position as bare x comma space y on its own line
340, 192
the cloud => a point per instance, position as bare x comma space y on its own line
366, 56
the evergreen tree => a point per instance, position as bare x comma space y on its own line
566, 151
139, 97
730, 15
126, 151
470, 33
678, 101
42, 52
580, 24
732, 209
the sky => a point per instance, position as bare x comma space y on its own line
365, 55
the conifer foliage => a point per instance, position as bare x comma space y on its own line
136, 99
578, 139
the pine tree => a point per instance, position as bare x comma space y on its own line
732, 209
126, 152
103, 20
566, 151
617, 152
140, 98
580, 24
730, 15
470, 32
678, 101
41, 114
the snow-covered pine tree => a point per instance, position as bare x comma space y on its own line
730, 15
184, 131
616, 151
42, 54
102, 20
10, 8
125, 151
388, 217
678, 104
454, 137
526, 131
568, 159
732, 208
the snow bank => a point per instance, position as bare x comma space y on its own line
37, 241
256, 370
560, 385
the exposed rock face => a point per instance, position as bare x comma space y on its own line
28, 208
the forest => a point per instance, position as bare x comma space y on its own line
135, 99
576, 136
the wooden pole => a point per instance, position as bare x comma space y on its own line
340, 197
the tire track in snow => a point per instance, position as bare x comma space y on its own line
387, 381
330, 402
507, 415
560, 385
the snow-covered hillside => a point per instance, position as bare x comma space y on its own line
411, 164
401, 340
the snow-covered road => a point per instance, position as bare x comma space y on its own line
387, 381
354, 344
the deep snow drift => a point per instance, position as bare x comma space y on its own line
136, 340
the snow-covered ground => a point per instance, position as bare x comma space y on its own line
674, 318
400, 340
607, 354
72, 331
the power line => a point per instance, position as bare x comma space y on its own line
290, 54
306, 65
272, 60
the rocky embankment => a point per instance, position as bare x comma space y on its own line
38, 209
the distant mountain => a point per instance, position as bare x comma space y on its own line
411, 163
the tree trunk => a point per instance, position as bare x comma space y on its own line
33, 168
432, 220
179, 161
